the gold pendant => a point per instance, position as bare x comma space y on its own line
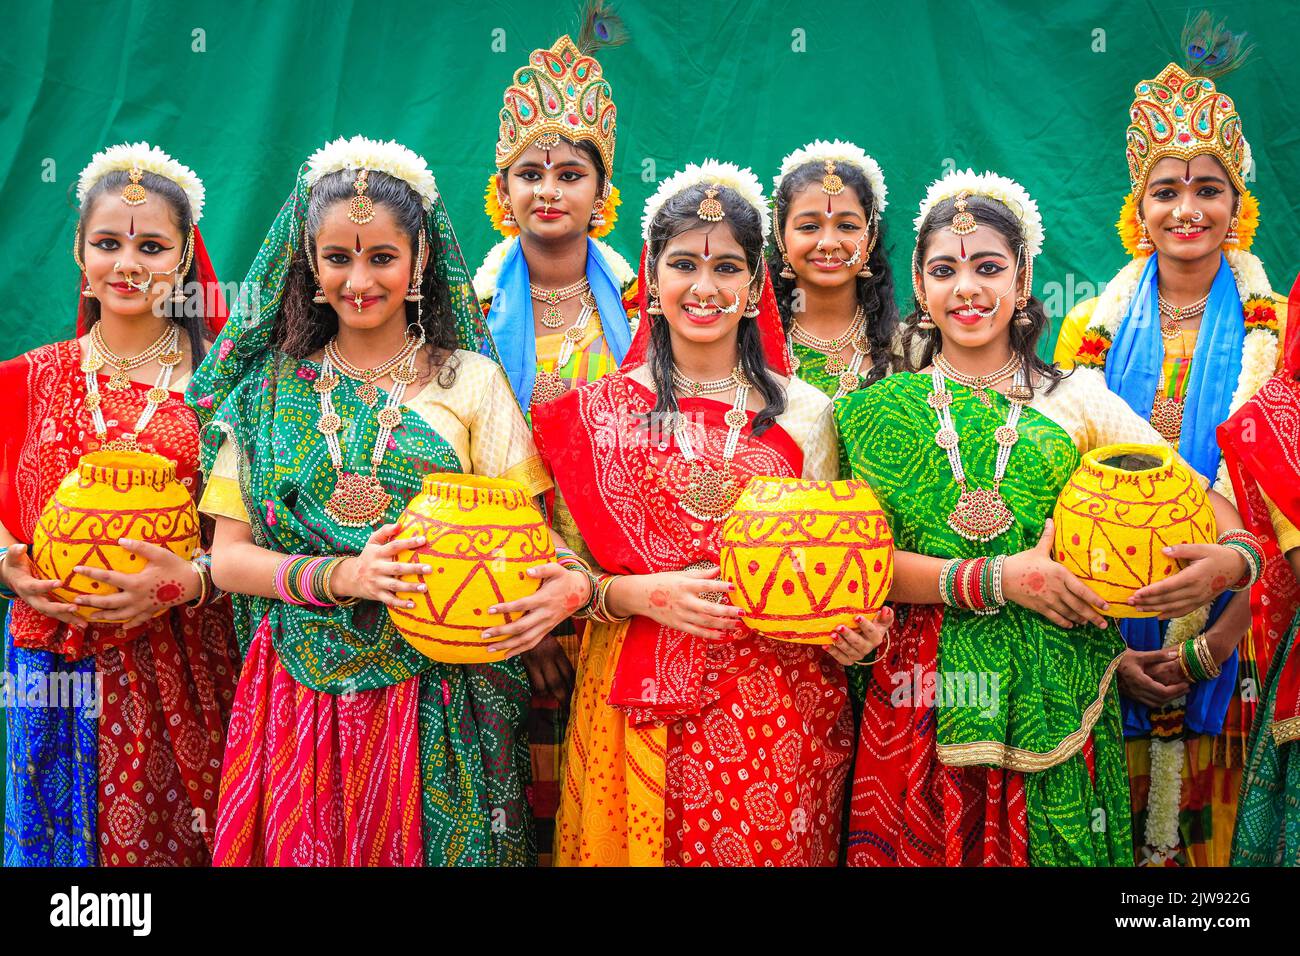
710, 494
980, 515
118, 381
835, 365
368, 393
358, 500
552, 317
1167, 418
547, 386
983, 396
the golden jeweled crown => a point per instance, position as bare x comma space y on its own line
1181, 115
561, 92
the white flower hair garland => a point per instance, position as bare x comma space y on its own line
992, 186
150, 159
389, 157
837, 151
709, 173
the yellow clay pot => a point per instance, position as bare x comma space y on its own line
112, 495
482, 535
1116, 514
807, 556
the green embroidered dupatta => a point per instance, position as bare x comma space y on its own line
1054, 686
474, 754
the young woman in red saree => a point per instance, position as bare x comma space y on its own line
128, 775
693, 740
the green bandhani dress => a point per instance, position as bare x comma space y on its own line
986, 740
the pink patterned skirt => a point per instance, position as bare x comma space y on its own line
316, 779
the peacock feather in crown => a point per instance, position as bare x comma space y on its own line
562, 92
1180, 113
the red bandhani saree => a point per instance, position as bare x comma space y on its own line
684, 751
157, 732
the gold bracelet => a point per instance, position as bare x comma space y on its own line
602, 600
327, 584
1206, 657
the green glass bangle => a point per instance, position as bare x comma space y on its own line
1193, 663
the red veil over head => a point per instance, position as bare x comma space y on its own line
214, 303
769, 326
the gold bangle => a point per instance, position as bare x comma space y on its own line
1182, 663
1206, 657
327, 584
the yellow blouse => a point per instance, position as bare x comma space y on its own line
478, 416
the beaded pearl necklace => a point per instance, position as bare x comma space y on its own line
166, 349
980, 514
1171, 315
359, 500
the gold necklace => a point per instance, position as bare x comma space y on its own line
552, 317
695, 389
979, 384
169, 357
831, 348
119, 380
359, 500
980, 514
547, 383
710, 492
1171, 315
1167, 411
367, 391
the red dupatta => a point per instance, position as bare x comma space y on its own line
622, 482
1261, 448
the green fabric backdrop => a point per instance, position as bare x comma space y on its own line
1016, 87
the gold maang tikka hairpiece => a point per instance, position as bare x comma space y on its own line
832, 184
133, 193
710, 207
362, 208
963, 222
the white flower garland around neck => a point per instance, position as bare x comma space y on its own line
709, 173
485, 277
389, 157
837, 151
150, 159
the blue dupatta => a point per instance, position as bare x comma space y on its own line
511, 316
1133, 372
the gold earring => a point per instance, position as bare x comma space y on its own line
786, 271
509, 218
87, 292
413, 294
1232, 238
1144, 242
1022, 317
653, 307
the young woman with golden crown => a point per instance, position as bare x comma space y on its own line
364, 367
557, 298
124, 774
991, 733
1186, 333
694, 740
1261, 445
